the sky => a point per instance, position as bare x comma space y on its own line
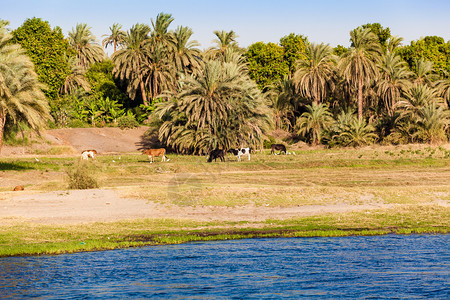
327, 21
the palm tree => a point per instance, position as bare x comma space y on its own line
357, 133
161, 33
393, 44
158, 71
314, 121
116, 38
225, 40
432, 121
21, 96
82, 40
204, 96
130, 61
185, 54
418, 96
218, 107
444, 87
283, 102
394, 80
424, 72
76, 78
358, 65
315, 72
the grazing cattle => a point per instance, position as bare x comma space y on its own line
280, 147
241, 151
88, 153
216, 153
19, 188
151, 153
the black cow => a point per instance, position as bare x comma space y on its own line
216, 153
280, 147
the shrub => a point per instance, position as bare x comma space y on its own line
81, 179
127, 121
76, 123
268, 142
348, 130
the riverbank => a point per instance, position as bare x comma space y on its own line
317, 192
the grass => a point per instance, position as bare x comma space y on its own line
26, 238
409, 183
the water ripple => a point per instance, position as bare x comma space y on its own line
414, 266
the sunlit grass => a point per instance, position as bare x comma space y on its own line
26, 238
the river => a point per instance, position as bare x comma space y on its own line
389, 266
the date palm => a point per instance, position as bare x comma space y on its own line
116, 38
218, 107
160, 33
314, 75
418, 96
185, 55
76, 78
443, 86
21, 96
158, 71
424, 72
283, 101
394, 43
393, 82
83, 41
130, 61
224, 40
432, 121
314, 121
359, 65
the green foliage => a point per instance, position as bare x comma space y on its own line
383, 34
47, 49
266, 64
314, 121
294, 47
430, 48
127, 122
103, 84
77, 123
348, 130
268, 142
21, 98
339, 50
80, 177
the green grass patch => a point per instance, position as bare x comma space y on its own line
27, 239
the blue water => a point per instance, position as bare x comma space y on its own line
392, 266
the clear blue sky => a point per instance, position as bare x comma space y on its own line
328, 21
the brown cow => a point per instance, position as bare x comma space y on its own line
155, 152
18, 188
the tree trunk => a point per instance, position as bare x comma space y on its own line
2, 126
360, 99
144, 96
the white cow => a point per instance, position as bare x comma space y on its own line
88, 153
240, 152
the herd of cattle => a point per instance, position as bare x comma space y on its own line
213, 154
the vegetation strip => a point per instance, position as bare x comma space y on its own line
27, 239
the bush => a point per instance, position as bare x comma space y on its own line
127, 121
80, 179
78, 124
268, 142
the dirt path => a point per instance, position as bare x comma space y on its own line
104, 205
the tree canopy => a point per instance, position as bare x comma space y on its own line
47, 49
